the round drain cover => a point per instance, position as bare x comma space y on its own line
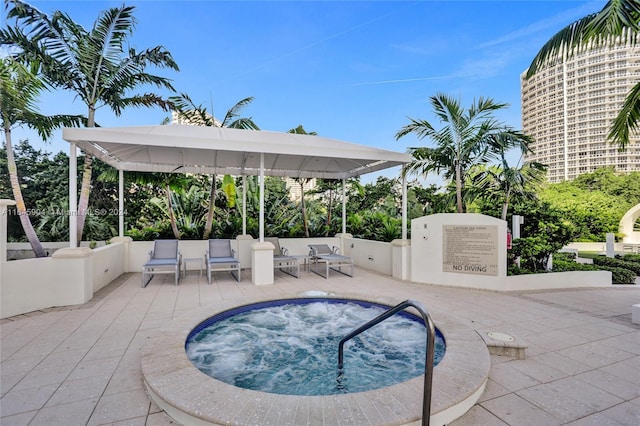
503, 337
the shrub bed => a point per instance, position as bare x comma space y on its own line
617, 263
563, 262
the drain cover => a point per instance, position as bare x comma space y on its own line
503, 337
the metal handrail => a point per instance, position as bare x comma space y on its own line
428, 367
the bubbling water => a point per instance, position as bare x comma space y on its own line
292, 348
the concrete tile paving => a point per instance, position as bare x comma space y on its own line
81, 364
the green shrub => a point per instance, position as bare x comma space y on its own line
564, 265
617, 263
620, 275
629, 257
515, 270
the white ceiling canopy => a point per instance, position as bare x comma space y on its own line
199, 149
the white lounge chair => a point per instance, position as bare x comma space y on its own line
221, 257
323, 254
281, 259
165, 258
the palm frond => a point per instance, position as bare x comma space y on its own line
628, 120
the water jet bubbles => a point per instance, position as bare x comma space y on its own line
291, 348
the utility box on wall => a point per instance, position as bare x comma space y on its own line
459, 249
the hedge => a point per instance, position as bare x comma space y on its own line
617, 263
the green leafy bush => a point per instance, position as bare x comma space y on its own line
620, 275
563, 262
629, 257
617, 263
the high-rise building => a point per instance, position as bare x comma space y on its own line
568, 108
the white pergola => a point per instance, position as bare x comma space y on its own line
208, 150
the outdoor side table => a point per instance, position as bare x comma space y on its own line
192, 260
306, 260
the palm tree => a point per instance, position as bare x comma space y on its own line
468, 137
19, 89
502, 183
303, 181
331, 186
92, 64
171, 182
198, 115
617, 23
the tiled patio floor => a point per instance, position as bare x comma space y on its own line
81, 365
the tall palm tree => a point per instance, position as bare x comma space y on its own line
93, 64
617, 23
19, 90
303, 181
468, 137
198, 115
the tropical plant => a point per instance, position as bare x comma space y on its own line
93, 64
194, 114
302, 181
54, 226
617, 23
327, 187
467, 138
500, 183
19, 90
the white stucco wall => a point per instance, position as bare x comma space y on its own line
372, 255
427, 255
32, 284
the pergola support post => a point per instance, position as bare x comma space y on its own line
261, 251
121, 203
344, 207
73, 196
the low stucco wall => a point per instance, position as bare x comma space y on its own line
68, 277
372, 255
558, 280
139, 250
599, 247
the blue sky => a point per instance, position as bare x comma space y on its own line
352, 71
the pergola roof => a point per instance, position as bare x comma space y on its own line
199, 149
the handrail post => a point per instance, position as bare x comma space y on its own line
429, 357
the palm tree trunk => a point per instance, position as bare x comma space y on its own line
172, 216
212, 205
459, 189
17, 195
505, 206
329, 212
305, 224
85, 190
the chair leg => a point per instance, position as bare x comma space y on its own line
146, 273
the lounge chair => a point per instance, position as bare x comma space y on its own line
323, 254
165, 258
281, 259
221, 257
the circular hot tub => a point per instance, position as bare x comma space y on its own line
290, 347
190, 396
